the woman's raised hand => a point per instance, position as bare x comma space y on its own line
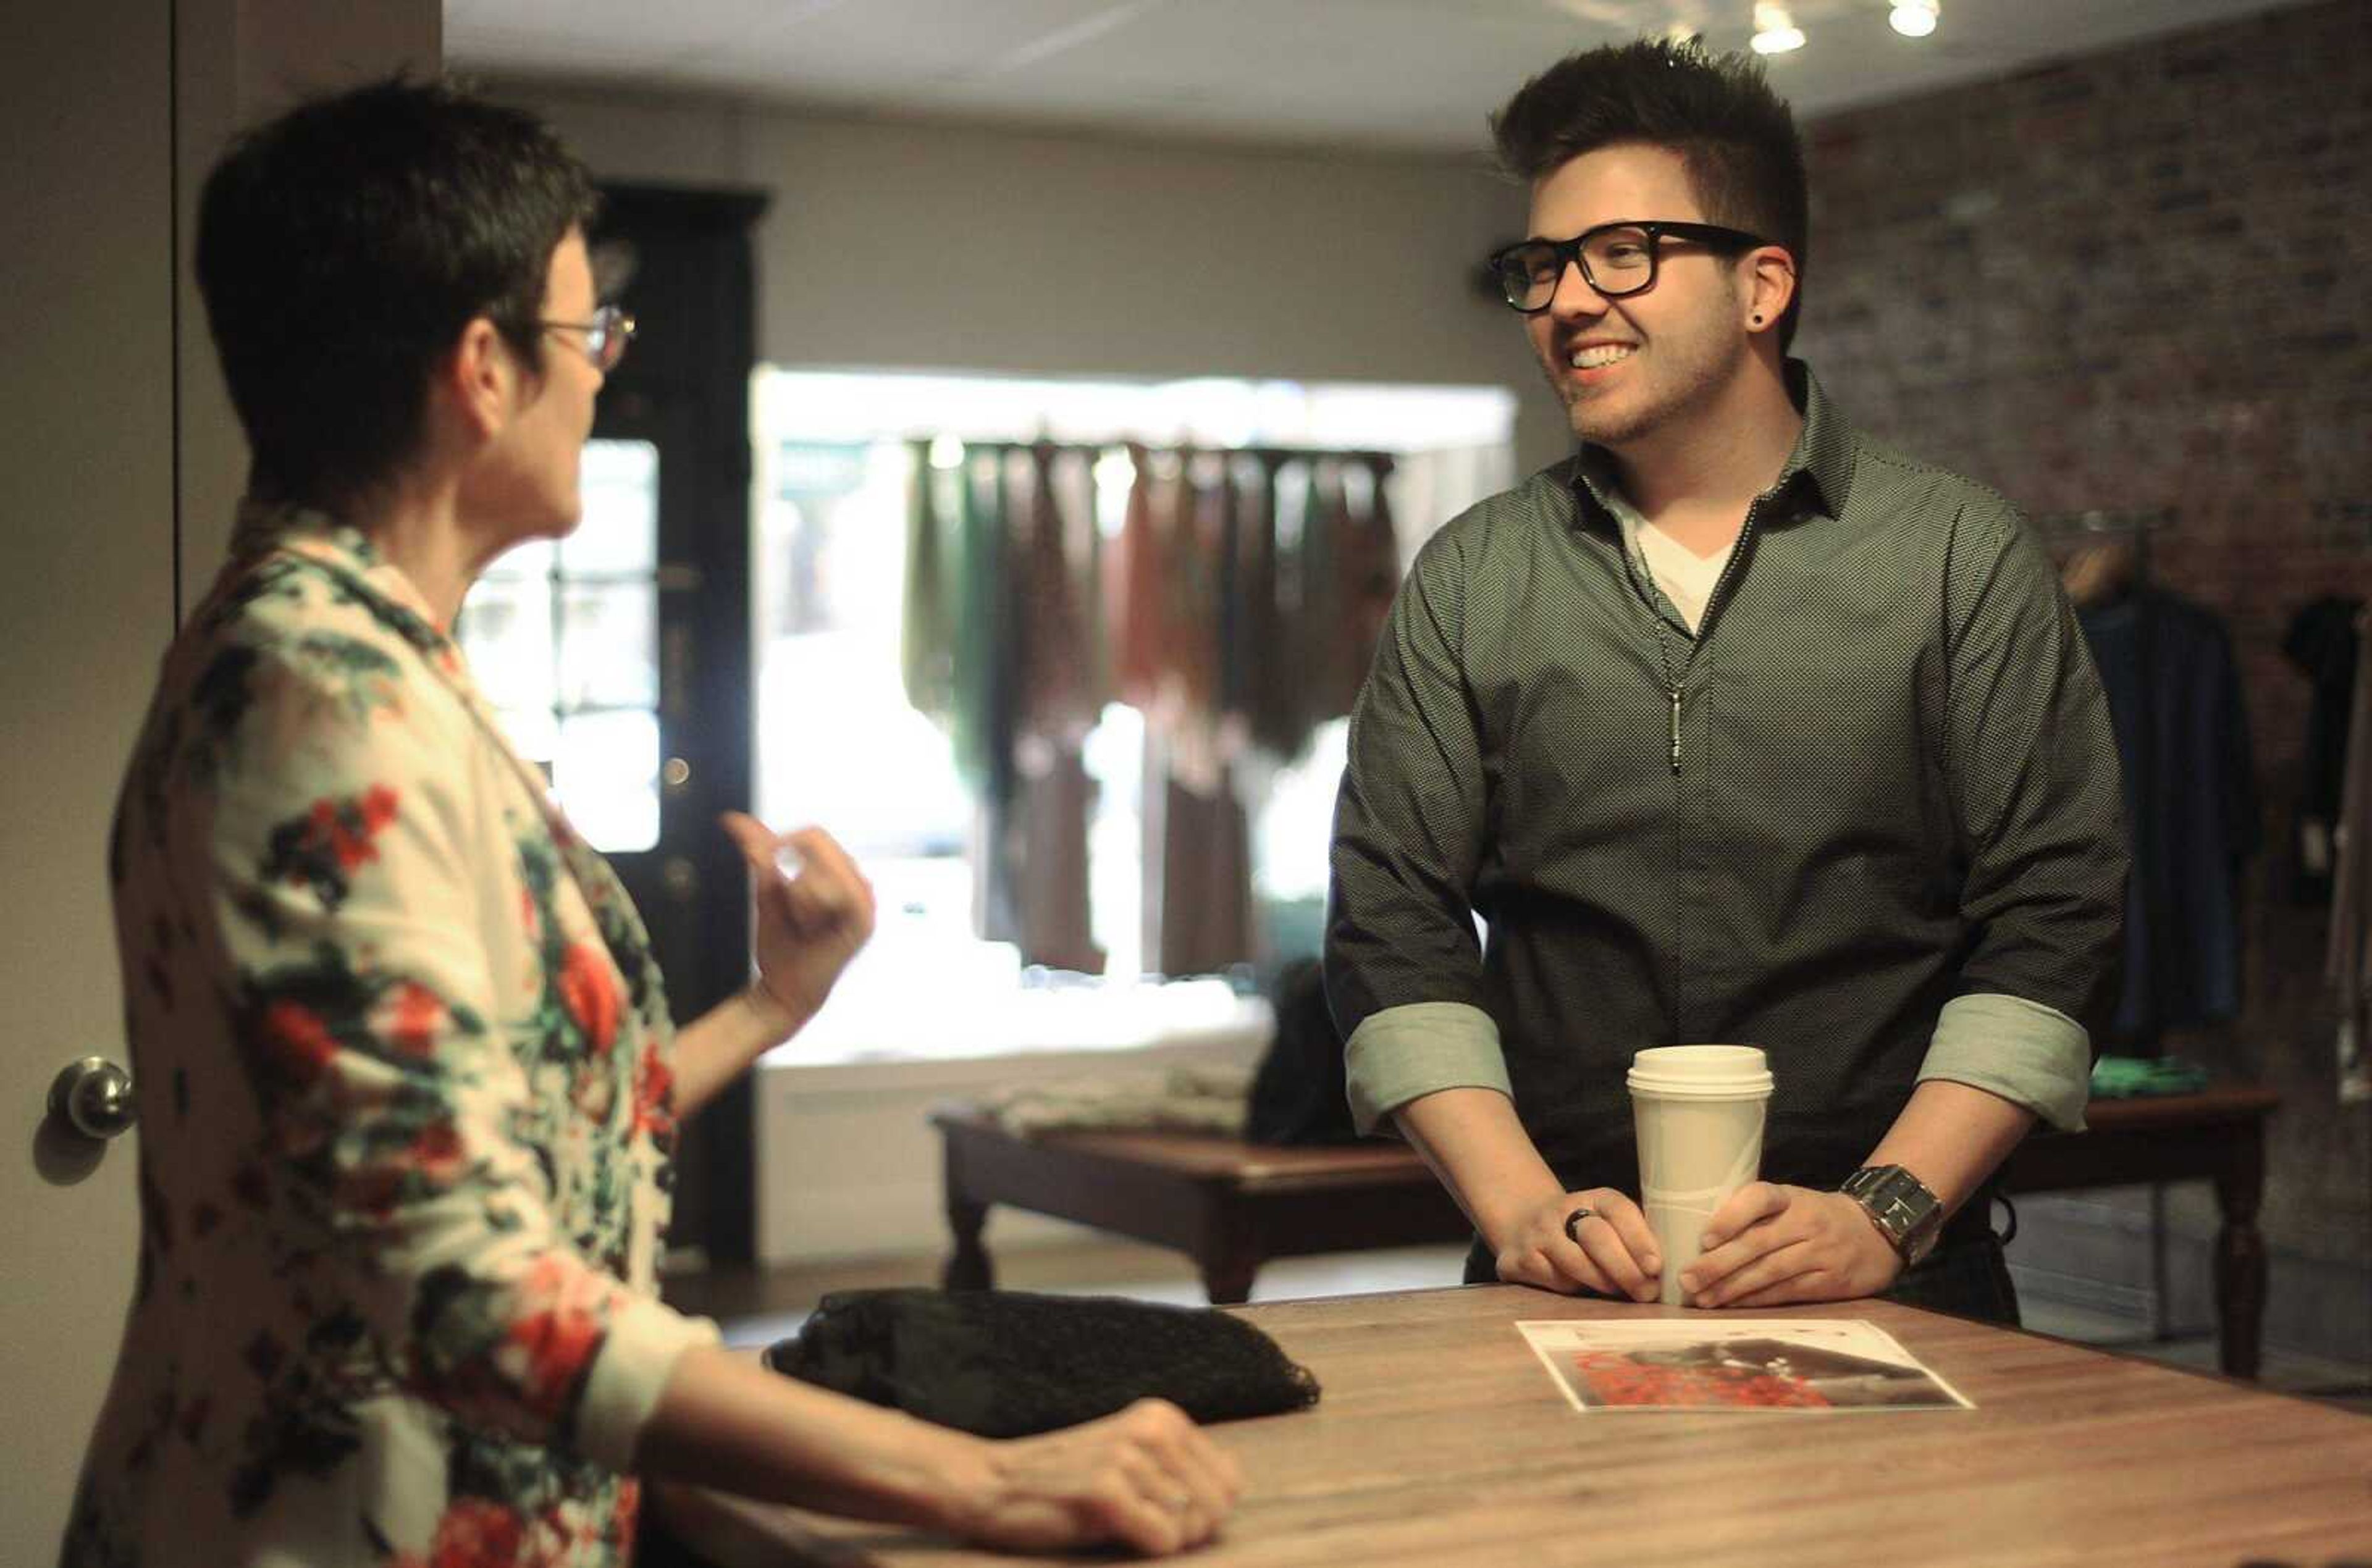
814, 910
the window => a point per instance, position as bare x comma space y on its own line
563, 639
836, 742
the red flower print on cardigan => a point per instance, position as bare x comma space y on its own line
300, 1041
559, 1335
653, 1093
323, 849
473, 1532
430, 1163
590, 994
629, 1510
411, 1014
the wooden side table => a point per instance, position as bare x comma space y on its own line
1231, 1206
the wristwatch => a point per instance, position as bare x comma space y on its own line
1909, 1215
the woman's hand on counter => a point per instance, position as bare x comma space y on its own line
1146, 1478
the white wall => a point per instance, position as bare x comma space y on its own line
849, 1164
918, 245
238, 62
99, 457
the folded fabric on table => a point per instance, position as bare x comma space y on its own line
1202, 1098
1006, 1364
2130, 1077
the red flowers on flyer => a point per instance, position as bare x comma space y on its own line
1612, 1378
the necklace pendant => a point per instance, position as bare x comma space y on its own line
1676, 730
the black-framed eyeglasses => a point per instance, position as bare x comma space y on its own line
606, 335
1616, 259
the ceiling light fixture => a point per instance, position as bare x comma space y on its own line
1915, 18
1776, 31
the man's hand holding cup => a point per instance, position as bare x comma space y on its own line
1596, 1240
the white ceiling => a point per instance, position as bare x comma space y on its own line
1383, 73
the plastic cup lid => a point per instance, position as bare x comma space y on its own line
1701, 1072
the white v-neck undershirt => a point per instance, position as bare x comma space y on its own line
1687, 579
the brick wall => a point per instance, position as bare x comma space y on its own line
2141, 279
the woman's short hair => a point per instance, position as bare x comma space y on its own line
343, 246
1736, 136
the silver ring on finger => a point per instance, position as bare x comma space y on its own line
1572, 1225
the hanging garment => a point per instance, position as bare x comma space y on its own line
927, 633
2321, 643
1270, 715
1367, 568
1053, 915
1133, 579
1198, 906
1055, 695
2349, 959
2191, 807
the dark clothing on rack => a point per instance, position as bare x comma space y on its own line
2191, 807
2322, 642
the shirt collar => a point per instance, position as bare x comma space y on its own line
263, 527
1813, 483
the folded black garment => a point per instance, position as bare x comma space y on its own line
1006, 1364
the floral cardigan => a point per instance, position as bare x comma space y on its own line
406, 1108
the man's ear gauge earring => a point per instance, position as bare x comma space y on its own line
1758, 321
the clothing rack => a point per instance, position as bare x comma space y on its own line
1267, 452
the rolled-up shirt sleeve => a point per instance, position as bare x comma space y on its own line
2034, 771
2027, 1053
1403, 961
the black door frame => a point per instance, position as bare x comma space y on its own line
685, 388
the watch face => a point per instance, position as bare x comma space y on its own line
1908, 1214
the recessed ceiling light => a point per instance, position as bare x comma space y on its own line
1776, 31
1914, 18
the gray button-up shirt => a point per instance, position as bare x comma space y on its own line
1890, 848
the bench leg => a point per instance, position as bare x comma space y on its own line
968, 1266
2241, 1263
1228, 1282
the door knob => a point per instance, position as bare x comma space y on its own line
95, 1098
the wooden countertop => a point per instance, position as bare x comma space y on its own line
1440, 1441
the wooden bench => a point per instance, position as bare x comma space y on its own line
1232, 1206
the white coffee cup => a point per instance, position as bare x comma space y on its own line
1698, 1112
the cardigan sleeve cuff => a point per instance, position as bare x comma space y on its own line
624, 1387
1403, 1053
2026, 1052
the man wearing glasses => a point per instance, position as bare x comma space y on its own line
1733, 727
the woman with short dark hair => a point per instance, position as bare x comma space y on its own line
413, 1084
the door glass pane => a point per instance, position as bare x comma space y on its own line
607, 774
608, 649
532, 559
619, 535
534, 734
564, 641
507, 636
